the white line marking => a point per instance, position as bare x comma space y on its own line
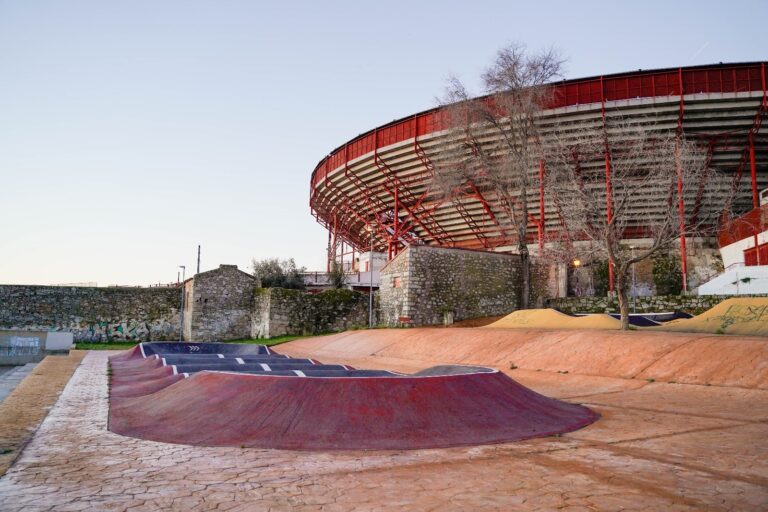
239, 360
164, 363
299, 373
186, 375
266, 347
141, 347
175, 372
157, 356
221, 356
266, 367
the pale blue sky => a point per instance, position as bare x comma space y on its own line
131, 131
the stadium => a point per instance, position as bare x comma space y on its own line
373, 192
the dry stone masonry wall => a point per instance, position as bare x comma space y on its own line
92, 314
433, 285
279, 312
693, 304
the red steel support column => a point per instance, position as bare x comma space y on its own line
397, 222
681, 199
609, 208
753, 171
608, 188
681, 207
541, 204
334, 238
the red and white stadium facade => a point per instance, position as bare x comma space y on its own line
379, 182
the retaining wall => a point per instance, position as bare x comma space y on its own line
432, 285
693, 304
92, 314
279, 312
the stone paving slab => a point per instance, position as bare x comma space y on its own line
74, 463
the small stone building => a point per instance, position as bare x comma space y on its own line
218, 304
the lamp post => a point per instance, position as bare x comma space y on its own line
370, 280
183, 278
576, 265
634, 285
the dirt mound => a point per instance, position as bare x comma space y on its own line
746, 316
551, 319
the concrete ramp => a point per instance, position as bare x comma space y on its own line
320, 407
690, 358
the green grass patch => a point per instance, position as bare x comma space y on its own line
270, 342
125, 345
117, 345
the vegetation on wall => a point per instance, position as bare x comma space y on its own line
276, 273
667, 275
600, 278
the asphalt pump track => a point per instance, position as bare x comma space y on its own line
222, 394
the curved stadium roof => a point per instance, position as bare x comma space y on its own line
382, 178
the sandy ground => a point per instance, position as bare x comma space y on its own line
746, 316
551, 319
659, 446
23, 410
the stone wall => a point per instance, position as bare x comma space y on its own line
218, 305
92, 314
433, 285
279, 312
693, 304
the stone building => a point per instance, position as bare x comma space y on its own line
218, 304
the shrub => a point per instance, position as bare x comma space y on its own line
275, 273
667, 275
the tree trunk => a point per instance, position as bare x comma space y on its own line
525, 278
621, 292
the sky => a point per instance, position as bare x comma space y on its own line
131, 131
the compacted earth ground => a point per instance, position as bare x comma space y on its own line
683, 427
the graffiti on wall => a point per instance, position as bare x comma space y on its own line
19, 345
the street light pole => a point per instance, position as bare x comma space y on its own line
370, 281
183, 278
634, 285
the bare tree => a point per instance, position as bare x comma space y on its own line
337, 276
627, 180
493, 142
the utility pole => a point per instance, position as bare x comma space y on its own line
198, 259
183, 278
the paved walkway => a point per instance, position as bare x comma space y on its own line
691, 454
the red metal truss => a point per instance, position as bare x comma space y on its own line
422, 218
